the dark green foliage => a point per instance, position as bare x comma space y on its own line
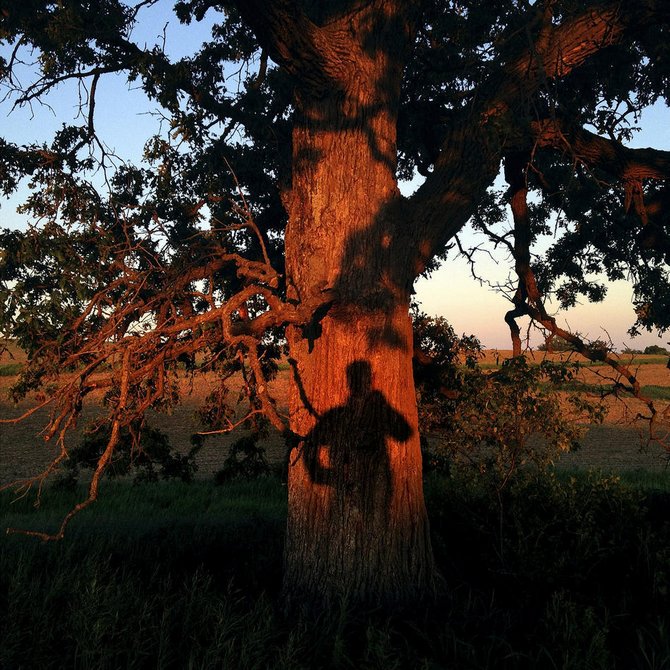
245, 460
160, 581
654, 349
143, 451
567, 564
440, 378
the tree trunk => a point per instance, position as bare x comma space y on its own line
357, 525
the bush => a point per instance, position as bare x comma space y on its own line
656, 350
498, 421
142, 450
246, 460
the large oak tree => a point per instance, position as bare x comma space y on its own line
269, 211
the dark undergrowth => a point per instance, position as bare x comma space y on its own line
560, 572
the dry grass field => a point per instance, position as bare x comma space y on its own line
622, 441
24, 453
619, 444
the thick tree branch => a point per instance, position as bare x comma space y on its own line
469, 157
560, 49
622, 163
293, 40
330, 56
627, 166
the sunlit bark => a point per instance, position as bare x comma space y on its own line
357, 526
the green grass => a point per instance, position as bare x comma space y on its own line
657, 392
10, 369
646, 480
639, 479
149, 576
637, 360
647, 360
144, 507
173, 575
652, 391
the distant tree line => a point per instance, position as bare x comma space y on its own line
558, 344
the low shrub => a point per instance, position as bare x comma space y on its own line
246, 460
499, 421
142, 451
655, 349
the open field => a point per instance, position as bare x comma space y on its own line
619, 444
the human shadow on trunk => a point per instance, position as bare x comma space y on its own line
347, 448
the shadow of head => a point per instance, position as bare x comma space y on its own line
359, 378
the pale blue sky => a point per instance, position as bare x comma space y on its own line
123, 117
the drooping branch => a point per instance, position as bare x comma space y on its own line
187, 308
528, 300
146, 357
526, 290
118, 422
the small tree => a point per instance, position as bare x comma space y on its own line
142, 451
495, 423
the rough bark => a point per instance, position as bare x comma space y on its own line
357, 525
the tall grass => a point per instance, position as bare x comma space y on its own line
171, 575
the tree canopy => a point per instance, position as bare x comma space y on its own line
548, 71
129, 271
